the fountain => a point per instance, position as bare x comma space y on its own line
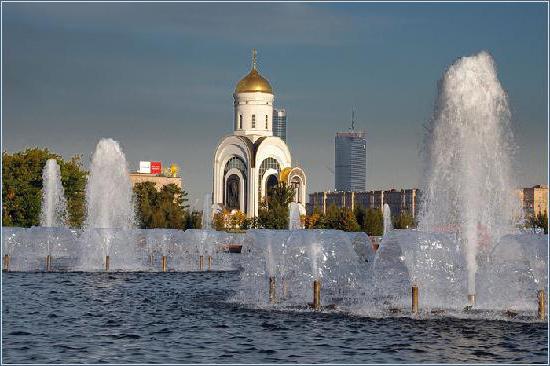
469, 186
54, 205
207, 212
109, 211
294, 221
467, 242
388, 226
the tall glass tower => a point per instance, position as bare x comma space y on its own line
279, 123
350, 161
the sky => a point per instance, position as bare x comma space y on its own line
159, 78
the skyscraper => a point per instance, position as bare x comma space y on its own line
279, 123
350, 161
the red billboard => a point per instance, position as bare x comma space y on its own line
156, 167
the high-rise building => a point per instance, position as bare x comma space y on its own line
350, 161
279, 123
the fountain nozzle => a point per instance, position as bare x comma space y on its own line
471, 300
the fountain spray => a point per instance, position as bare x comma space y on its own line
469, 187
54, 205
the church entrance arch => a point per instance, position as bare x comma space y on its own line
232, 192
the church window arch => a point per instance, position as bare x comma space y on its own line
268, 163
235, 186
235, 162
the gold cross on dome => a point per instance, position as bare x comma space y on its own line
254, 58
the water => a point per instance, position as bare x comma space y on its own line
207, 212
469, 148
294, 221
110, 211
54, 205
388, 226
109, 201
188, 318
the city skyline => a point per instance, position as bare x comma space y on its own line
159, 78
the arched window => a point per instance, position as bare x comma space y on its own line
240, 121
296, 183
268, 163
232, 193
237, 163
253, 121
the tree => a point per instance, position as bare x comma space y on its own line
160, 209
374, 222
404, 220
22, 187
193, 220
360, 216
273, 213
540, 220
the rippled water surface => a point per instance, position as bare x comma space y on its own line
186, 317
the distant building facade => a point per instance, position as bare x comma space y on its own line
534, 199
398, 200
159, 180
279, 123
350, 161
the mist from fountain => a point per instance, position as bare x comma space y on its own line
207, 212
469, 145
110, 213
54, 204
386, 213
109, 195
294, 221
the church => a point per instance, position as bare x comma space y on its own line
251, 160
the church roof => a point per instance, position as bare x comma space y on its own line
253, 82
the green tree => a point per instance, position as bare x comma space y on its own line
22, 186
374, 222
338, 219
539, 220
360, 216
146, 198
273, 213
160, 209
193, 220
404, 220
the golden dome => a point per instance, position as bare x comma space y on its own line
253, 82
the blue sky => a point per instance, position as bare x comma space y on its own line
159, 78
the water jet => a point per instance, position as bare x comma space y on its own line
272, 294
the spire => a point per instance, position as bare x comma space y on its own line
352, 119
254, 58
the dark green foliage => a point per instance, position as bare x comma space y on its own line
334, 218
160, 209
22, 187
539, 221
403, 221
273, 213
374, 222
193, 220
